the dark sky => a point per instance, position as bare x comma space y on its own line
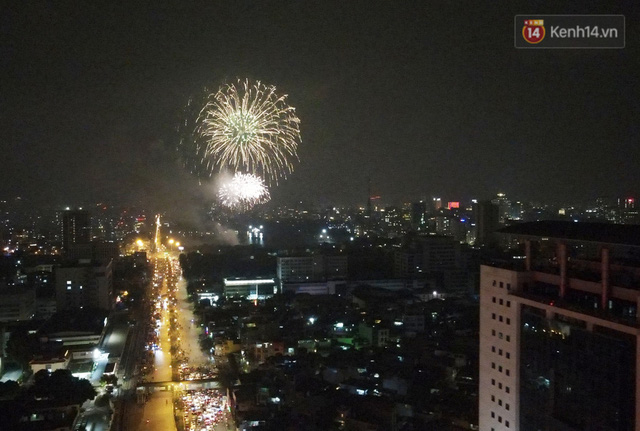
424, 97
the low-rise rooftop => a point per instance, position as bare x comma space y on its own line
606, 233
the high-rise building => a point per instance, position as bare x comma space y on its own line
76, 228
437, 203
487, 217
560, 331
504, 206
418, 215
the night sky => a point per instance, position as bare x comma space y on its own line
425, 98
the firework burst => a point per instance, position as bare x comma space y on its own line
243, 192
248, 127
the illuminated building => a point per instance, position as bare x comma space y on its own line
559, 330
449, 225
437, 203
259, 288
418, 215
76, 228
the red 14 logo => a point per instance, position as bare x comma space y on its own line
533, 31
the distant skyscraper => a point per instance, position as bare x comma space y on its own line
418, 215
437, 203
504, 206
487, 219
76, 228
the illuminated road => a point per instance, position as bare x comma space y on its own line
190, 331
157, 412
162, 356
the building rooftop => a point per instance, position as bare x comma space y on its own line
618, 234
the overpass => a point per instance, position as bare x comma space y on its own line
167, 385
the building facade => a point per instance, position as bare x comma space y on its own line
17, 303
312, 268
560, 331
76, 228
82, 285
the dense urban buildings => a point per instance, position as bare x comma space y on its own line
399, 309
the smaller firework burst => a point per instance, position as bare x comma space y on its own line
243, 192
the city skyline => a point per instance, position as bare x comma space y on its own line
419, 98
